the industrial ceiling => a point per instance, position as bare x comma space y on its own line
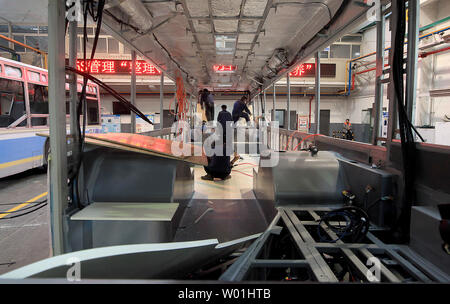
262, 38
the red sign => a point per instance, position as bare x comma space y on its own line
303, 70
220, 68
309, 70
111, 66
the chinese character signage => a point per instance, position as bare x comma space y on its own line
107, 66
309, 70
219, 68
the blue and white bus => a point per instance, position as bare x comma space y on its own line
24, 112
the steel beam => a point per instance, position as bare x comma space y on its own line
161, 101
288, 78
133, 90
377, 125
413, 50
57, 115
317, 97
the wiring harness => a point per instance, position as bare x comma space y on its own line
356, 224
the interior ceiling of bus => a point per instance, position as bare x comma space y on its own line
262, 38
194, 35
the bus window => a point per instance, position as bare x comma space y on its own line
43, 78
33, 76
12, 102
13, 71
38, 95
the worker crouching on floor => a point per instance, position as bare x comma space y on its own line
219, 166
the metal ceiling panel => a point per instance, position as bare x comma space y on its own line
249, 25
198, 8
202, 26
225, 26
205, 39
226, 8
246, 38
254, 8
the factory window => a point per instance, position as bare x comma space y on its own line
340, 51
113, 46
38, 42
89, 31
4, 43
356, 51
324, 54
19, 48
101, 45
28, 29
119, 108
352, 39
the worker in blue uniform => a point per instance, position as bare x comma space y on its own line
240, 109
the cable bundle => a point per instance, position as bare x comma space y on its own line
182, 104
355, 228
18, 213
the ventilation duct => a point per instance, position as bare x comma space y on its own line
137, 13
278, 60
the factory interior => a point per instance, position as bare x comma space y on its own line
225, 141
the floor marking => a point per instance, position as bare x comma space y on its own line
2, 215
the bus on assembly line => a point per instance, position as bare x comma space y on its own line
24, 112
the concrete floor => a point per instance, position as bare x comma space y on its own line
25, 239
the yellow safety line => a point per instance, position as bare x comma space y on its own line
20, 161
2, 215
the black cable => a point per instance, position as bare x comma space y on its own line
20, 203
22, 209
22, 214
356, 220
406, 135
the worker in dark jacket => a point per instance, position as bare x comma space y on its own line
224, 118
240, 109
207, 103
218, 167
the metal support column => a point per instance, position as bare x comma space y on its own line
288, 78
392, 95
377, 125
133, 90
317, 85
73, 39
57, 110
264, 106
161, 101
411, 66
273, 103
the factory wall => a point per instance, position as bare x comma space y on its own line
433, 74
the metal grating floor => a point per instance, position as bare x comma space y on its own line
312, 258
